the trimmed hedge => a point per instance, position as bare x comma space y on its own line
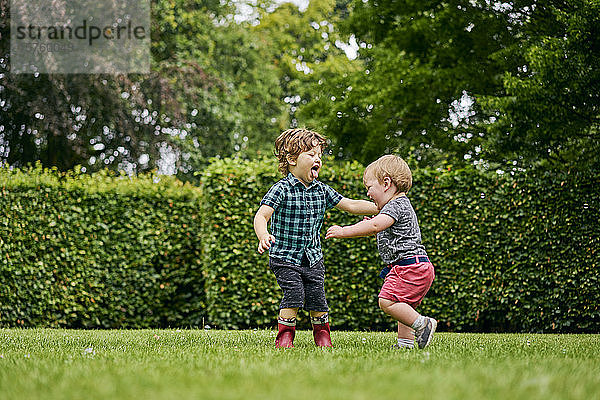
100, 251
511, 253
240, 289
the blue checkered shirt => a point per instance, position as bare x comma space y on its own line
298, 217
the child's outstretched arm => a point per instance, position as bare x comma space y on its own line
366, 227
358, 207
261, 219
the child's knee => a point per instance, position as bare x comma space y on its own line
288, 312
384, 304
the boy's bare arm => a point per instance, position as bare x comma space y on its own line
359, 207
366, 227
262, 217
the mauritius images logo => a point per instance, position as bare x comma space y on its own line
80, 36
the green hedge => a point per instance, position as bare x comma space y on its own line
240, 289
98, 251
511, 253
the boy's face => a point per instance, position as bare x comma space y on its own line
307, 166
377, 191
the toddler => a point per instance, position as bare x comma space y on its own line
295, 206
409, 273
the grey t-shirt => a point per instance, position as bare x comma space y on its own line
403, 238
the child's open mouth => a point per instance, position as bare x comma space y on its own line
314, 171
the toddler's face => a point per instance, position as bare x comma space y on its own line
307, 165
376, 191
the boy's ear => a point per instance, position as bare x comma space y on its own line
387, 182
290, 159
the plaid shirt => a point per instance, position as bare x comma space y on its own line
298, 217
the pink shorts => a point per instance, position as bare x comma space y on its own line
408, 283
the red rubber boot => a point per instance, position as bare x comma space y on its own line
285, 336
321, 333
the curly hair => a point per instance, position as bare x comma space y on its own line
292, 142
393, 167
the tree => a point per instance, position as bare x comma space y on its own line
444, 80
550, 110
64, 120
304, 49
208, 94
227, 96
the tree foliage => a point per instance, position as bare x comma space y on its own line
551, 105
303, 48
437, 81
209, 93
64, 120
468, 80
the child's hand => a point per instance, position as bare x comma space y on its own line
265, 243
334, 232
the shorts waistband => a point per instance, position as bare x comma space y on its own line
410, 260
404, 261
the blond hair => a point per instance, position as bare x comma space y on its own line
292, 142
393, 167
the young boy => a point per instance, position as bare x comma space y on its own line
297, 205
409, 274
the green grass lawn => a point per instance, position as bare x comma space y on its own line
208, 364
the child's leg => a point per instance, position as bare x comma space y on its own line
321, 330
401, 312
406, 336
406, 316
288, 313
405, 332
290, 282
314, 287
424, 326
286, 323
318, 314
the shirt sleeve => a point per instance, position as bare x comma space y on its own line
331, 196
393, 209
274, 196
